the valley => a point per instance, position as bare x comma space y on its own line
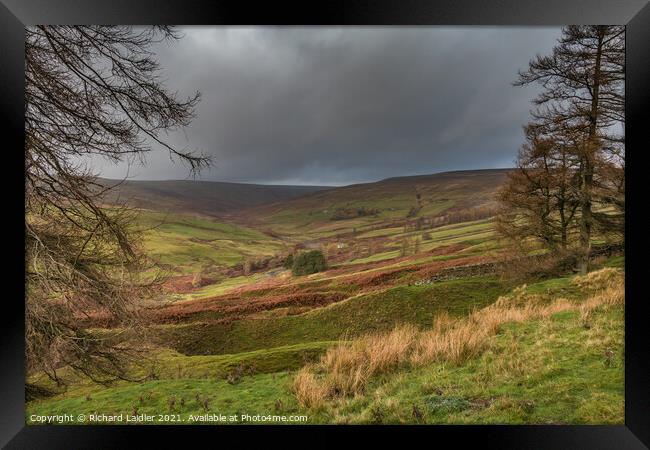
234, 331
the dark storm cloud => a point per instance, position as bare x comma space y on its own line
335, 106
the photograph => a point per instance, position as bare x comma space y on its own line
329, 225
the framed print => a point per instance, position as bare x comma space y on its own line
406, 219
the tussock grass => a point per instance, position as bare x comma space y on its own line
309, 391
346, 369
599, 280
350, 365
608, 290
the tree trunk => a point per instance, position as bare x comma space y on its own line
587, 168
586, 217
563, 233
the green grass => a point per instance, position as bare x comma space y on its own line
388, 231
351, 317
168, 367
170, 364
189, 244
260, 394
616, 261
392, 198
477, 234
224, 286
537, 372
556, 287
554, 371
546, 371
196, 227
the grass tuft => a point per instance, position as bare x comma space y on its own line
346, 369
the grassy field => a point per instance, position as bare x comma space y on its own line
473, 238
579, 360
188, 244
229, 341
477, 236
509, 384
391, 199
351, 317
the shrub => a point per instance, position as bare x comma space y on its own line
352, 213
288, 262
309, 262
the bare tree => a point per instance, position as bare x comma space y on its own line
583, 95
90, 91
540, 198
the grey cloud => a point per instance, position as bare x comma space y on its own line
343, 105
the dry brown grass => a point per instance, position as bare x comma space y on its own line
309, 391
599, 280
608, 290
345, 369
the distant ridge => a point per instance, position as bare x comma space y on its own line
467, 188
451, 173
205, 197
391, 198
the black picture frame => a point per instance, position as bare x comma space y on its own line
635, 14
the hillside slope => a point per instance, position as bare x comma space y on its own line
212, 198
398, 198
391, 197
563, 336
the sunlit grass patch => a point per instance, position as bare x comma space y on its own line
347, 369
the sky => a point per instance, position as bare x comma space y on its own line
337, 106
